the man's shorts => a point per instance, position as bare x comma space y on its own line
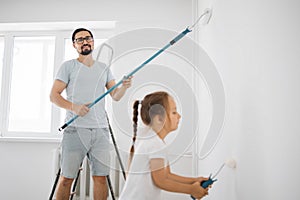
77, 143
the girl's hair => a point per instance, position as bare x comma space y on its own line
153, 104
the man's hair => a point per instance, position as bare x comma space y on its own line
79, 30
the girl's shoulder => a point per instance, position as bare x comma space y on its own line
150, 143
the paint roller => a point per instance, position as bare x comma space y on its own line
202, 20
231, 163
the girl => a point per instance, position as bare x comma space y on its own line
149, 171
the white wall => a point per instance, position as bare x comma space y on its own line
255, 46
26, 167
168, 14
27, 170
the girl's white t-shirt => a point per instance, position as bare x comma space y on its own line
139, 184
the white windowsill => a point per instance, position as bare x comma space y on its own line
30, 139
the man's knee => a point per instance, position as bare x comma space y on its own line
99, 179
66, 181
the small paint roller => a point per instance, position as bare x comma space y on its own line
231, 163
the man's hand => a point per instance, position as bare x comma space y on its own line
80, 110
127, 82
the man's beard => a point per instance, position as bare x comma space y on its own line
86, 51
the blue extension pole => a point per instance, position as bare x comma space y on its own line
177, 38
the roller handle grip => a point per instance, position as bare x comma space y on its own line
63, 127
205, 184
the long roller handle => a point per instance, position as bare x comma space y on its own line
178, 37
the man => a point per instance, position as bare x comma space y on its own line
84, 80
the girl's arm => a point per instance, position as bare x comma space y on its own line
161, 178
183, 179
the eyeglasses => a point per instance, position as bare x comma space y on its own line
81, 39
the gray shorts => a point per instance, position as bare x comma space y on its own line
77, 143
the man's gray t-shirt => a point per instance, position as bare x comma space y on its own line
84, 85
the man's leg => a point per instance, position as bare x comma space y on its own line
99, 156
64, 188
74, 148
100, 188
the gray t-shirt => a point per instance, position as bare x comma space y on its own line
84, 85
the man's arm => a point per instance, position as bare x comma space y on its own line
56, 98
119, 92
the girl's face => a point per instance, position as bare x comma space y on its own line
173, 116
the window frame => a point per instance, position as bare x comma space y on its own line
99, 32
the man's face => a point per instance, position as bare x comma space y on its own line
83, 43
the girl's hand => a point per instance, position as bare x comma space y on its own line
200, 179
198, 192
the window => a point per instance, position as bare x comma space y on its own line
32, 72
32, 57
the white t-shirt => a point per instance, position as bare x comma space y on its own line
84, 85
139, 184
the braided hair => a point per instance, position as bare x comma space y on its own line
135, 124
153, 104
